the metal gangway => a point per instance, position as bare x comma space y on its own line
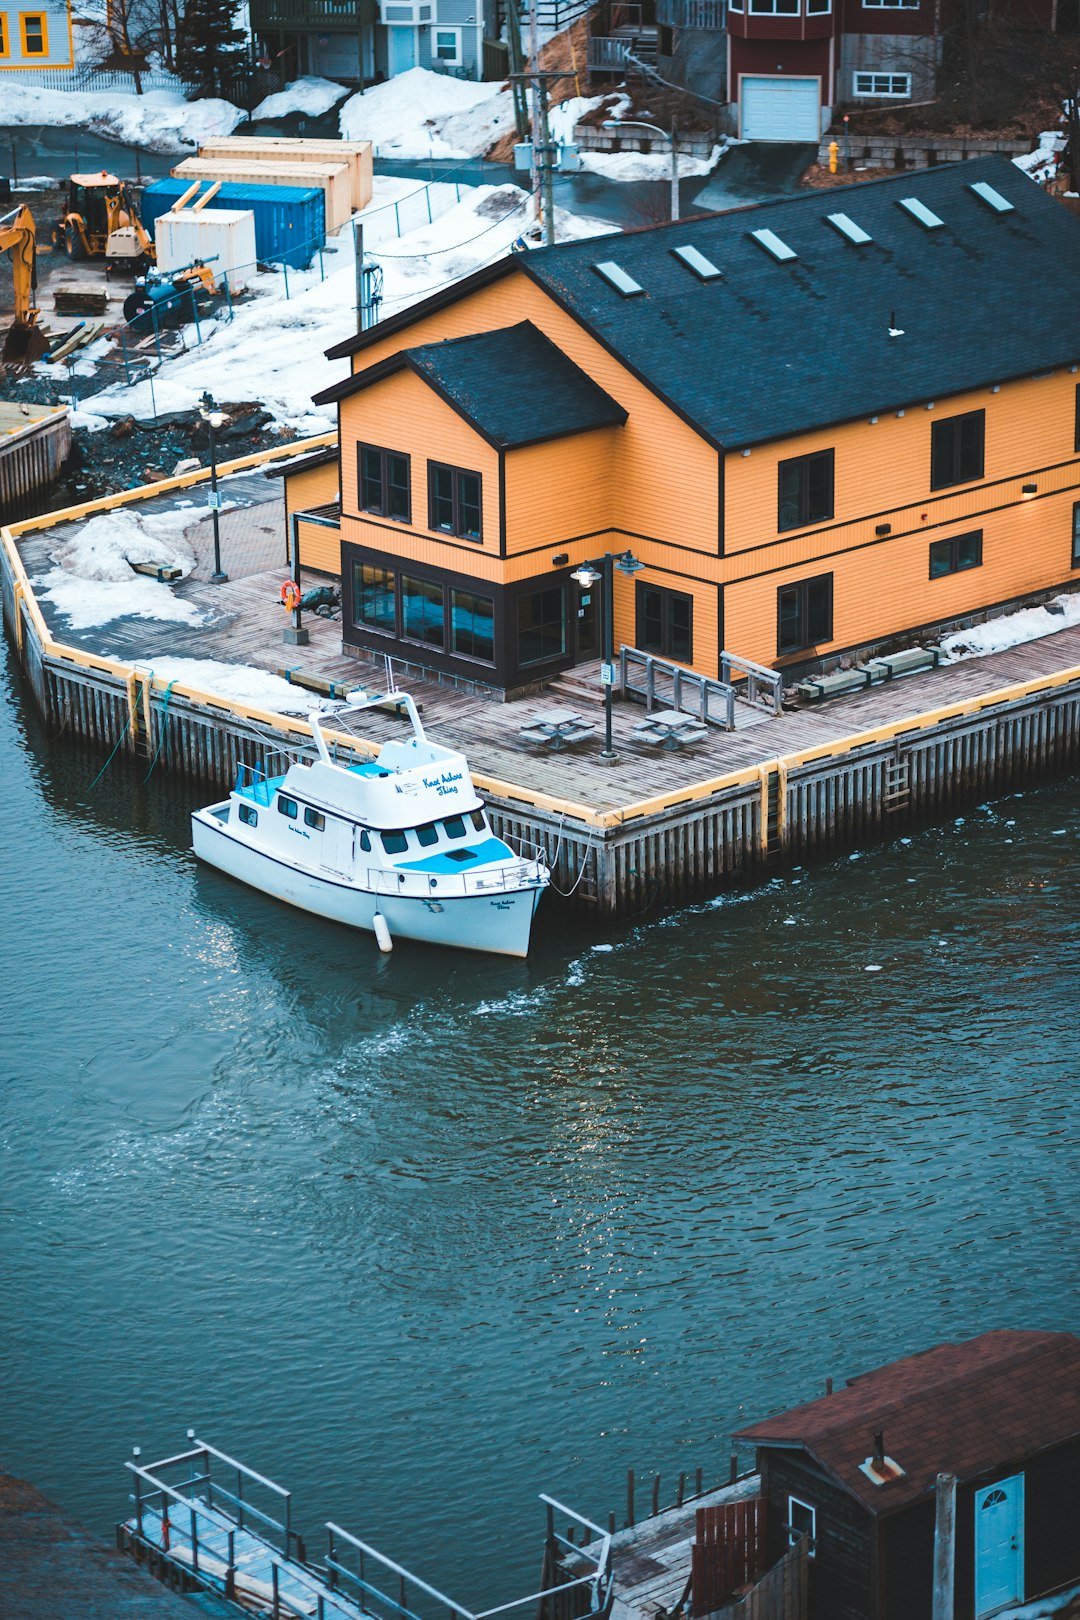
202, 1521
659, 681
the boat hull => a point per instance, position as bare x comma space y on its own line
498, 923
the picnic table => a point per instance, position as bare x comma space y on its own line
556, 728
670, 728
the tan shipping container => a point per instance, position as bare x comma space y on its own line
286, 149
334, 178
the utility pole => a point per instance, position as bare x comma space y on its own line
534, 67
358, 251
547, 155
674, 170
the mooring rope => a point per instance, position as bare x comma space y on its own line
131, 715
161, 734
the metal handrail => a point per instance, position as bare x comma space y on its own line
761, 681
388, 1563
703, 686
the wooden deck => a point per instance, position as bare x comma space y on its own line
243, 623
651, 1561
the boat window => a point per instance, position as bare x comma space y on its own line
477, 819
248, 816
394, 843
461, 855
315, 818
428, 835
365, 840
454, 826
287, 807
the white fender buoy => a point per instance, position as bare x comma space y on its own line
382, 933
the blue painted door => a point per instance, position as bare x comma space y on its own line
401, 47
999, 1545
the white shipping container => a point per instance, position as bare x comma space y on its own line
222, 237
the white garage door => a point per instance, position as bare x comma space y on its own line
780, 109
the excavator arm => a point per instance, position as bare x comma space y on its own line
24, 343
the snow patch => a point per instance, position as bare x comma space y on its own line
1042, 163
240, 683
1013, 629
107, 547
311, 96
634, 166
1042, 1607
159, 121
86, 603
421, 114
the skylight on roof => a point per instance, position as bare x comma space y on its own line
772, 244
616, 277
1000, 204
702, 267
847, 227
919, 211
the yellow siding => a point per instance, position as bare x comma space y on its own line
403, 413
706, 644
557, 490
320, 548
664, 477
311, 486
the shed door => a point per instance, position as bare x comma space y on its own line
999, 1545
780, 109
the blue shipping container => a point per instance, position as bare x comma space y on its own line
290, 221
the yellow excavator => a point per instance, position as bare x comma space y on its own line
100, 220
24, 342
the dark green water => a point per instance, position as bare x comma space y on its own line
422, 1235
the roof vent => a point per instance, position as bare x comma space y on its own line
1000, 204
878, 1468
772, 244
616, 277
919, 211
702, 267
847, 227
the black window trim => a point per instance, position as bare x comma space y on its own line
383, 452
953, 542
1076, 423
803, 462
1076, 534
954, 421
803, 585
457, 472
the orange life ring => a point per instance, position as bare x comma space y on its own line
290, 595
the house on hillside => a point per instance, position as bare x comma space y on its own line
366, 41
856, 1473
821, 425
36, 36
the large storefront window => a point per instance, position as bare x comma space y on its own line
472, 625
422, 611
541, 623
373, 598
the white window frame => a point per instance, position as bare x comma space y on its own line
794, 1535
447, 61
768, 8
890, 5
875, 94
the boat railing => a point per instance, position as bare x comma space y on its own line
514, 875
257, 780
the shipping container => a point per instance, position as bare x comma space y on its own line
283, 149
224, 238
290, 221
334, 179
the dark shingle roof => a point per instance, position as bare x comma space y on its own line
967, 1409
513, 385
776, 348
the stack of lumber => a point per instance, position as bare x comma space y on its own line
85, 299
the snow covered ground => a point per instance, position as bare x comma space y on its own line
1042, 163
420, 114
313, 97
1042, 1607
272, 351
241, 683
1013, 629
159, 121
92, 581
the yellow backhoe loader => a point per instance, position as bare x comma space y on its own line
24, 342
100, 220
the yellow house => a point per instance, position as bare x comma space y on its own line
820, 425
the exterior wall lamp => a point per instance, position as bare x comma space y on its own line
601, 569
1028, 490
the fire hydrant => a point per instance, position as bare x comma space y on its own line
834, 152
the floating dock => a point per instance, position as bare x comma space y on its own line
658, 827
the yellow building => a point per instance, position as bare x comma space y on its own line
820, 424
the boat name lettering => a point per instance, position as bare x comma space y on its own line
443, 784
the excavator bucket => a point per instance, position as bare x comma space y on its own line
23, 345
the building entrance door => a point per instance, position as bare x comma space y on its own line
401, 47
999, 1545
588, 623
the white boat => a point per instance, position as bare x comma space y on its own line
399, 845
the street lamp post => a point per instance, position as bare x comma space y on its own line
214, 419
602, 570
637, 123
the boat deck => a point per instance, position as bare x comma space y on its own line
242, 622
